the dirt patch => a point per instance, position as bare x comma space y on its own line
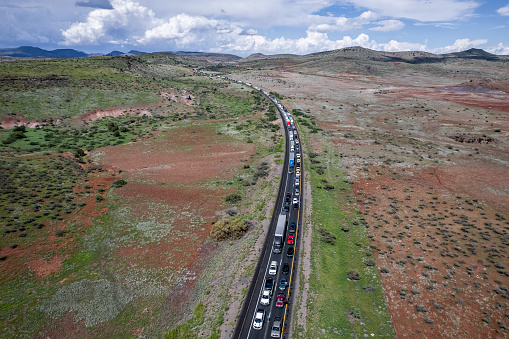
43, 268
113, 112
182, 155
11, 121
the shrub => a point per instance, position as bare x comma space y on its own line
233, 198
118, 183
327, 237
99, 198
78, 153
229, 229
353, 275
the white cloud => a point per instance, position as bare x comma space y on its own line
184, 30
344, 24
388, 26
431, 10
126, 20
504, 10
500, 49
460, 45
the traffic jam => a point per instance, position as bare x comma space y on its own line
269, 317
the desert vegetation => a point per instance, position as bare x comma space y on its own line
416, 148
114, 171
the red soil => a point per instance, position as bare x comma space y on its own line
182, 155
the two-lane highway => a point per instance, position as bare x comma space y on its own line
280, 246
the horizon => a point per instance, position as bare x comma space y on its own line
267, 27
243, 57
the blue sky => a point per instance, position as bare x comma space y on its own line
244, 27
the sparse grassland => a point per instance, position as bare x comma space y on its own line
78, 232
345, 296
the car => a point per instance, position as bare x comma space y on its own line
288, 196
269, 284
298, 161
286, 206
275, 332
297, 169
292, 227
273, 268
285, 268
291, 239
297, 155
283, 283
265, 299
297, 182
258, 320
280, 300
290, 251
297, 174
295, 202
297, 191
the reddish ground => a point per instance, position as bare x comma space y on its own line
182, 155
437, 208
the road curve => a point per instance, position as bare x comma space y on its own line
288, 185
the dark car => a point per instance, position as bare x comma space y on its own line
291, 227
289, 251
283, 284
285, 268
286, 206
288, 196
269, 284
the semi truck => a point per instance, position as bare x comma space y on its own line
279, 235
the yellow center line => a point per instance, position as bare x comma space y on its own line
296, 233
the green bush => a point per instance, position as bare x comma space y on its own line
233, 198
119, 183
229, 229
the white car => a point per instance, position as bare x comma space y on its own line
273, 268
297, 182
265, 299
297, 155
258, 320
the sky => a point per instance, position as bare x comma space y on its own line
244, 27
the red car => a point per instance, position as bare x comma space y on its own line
280, 300
291, 239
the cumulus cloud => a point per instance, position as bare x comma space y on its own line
460, 45
388, 26
504, 10
500, 49
184, 30
343, 24
432, 10
126, 20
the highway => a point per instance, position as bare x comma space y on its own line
289, 203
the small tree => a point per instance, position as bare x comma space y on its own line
78, 153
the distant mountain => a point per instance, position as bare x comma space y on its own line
131, 52
135, 52
116, 53
210, 57
36, 52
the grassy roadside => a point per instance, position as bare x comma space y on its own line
345, 294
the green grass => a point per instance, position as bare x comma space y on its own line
336, 304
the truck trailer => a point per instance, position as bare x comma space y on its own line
279, 235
